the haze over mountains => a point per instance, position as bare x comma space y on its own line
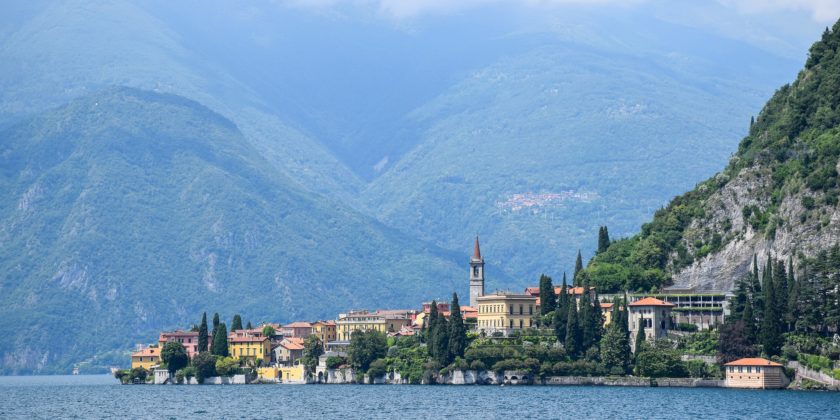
164, 158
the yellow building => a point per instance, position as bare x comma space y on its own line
505, 312
145, 358
326, 331
292, 374
250, 348
755, 373
366, 321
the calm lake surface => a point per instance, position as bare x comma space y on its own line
101, 397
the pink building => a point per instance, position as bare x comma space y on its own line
297, 329
189, 339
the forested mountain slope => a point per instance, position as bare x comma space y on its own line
777, 197
129, 211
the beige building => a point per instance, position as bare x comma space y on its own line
755, 373
653, 314
382, 321
505, 312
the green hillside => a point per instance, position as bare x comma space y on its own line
623, 134
130, 211
778, 195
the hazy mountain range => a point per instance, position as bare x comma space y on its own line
160, 159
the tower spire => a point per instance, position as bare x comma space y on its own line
476, 250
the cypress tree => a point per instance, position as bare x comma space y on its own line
441, 341
237, 323
597, 323
603, 239
561, 313
757, 295
249, 327
547, 296
748, 320
573, 333
585, 319
457, 330
771, 334
578, 268
793, 298
429, 325
202, 333
780, 282
220, 341
640, 336
215, 322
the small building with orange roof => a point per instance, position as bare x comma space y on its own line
755, 373
296, 329
651, 315
288, 351
145, 358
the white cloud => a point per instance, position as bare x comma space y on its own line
820, 10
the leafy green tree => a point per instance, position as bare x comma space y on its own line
365, 347
313, 348
226, 366
174, 355
457, 330
573, 342
733, 343
205, 366
547, 296
378, 369
220, 341
237, 323
660, 361
268, 331
202, 334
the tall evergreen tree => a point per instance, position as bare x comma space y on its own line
748, 322
215, 322
548, 300
771, 334
603, 239
202, 333
756, 292
220, 341
780, 280
457, 330
573, 333
640, 337
249, 326
615, 345
578, 268
793, 312
237, 323
429, 325
597, 323
561, 313
440, 342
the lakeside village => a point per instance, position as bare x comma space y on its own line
562, 335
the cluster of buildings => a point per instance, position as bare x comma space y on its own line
498, 313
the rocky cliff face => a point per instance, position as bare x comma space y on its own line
802, 232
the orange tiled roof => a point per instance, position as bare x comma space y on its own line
649, 301
535, 291
246, 339
291, 345
752, 361
299, 324
296, 340
476, 250
148, 351
606, 305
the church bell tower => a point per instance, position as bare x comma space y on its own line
476, 275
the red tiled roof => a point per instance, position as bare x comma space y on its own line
296, 340
752, 361
535, 291
649, 301
606, 305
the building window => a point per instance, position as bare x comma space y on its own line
530, 309
511, 323
475, 271
521, 309
740, 369
520, 324
511, 309
758, 369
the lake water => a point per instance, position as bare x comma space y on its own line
101, 397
